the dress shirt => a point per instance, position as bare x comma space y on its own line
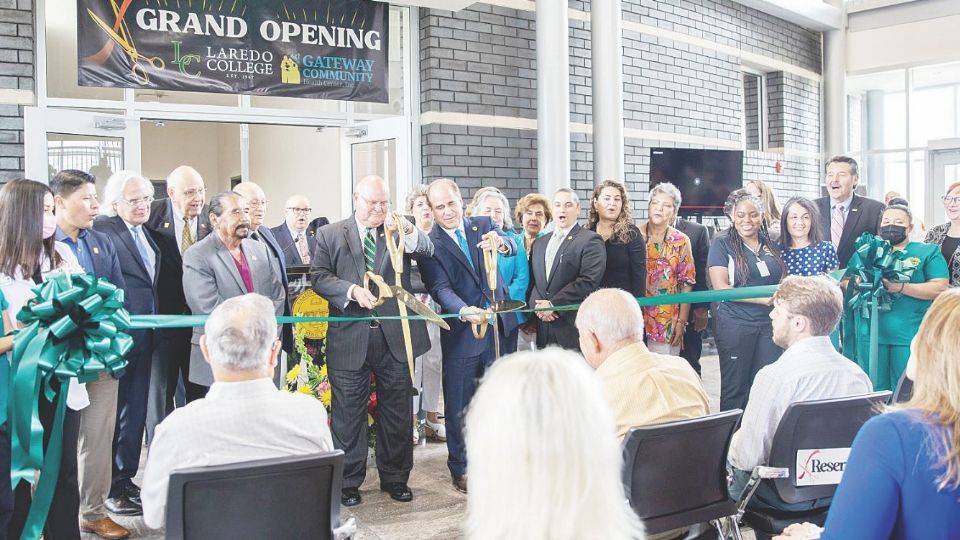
409, 245
809, 369
846, 207
178, 227
139, 238
645, 388
79, 248
234, 423
294, 233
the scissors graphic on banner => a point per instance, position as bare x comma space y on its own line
129, 47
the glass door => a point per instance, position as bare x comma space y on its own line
100, 143
944, 170
381, 148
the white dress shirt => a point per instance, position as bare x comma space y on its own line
17, 289
235, 422
810, 369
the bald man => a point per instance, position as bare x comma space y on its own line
176, 223
298, 243
257, 203
345, 251
642, 387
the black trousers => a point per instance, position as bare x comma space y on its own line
351, 392
743, 350
131, 415
692, 348
63, 520
6, 493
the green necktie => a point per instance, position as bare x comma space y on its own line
369, 249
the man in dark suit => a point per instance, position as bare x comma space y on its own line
693, 337
297, 244
127, 201
176, 223
346, 250
457, 280
565, 267
257, 202
75, 199
844, 215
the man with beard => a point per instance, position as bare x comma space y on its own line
806, 310
223, 265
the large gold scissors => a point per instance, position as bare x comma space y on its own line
123, 40
489, 316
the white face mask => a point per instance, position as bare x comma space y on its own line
49, 226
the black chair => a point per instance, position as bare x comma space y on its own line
282, 499
904, 390
675, 474
807, 425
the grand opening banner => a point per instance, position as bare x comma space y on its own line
329, 49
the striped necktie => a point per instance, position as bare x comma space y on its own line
369, 249
186, 237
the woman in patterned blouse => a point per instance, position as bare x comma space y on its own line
670, 270
947, 236
804, 251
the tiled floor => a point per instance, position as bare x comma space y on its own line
437, 509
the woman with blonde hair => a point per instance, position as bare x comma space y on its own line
902, 480
610, 217
544, 458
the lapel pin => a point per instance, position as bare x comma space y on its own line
570, 237
254, 257
474, 228
96, 251
166, 225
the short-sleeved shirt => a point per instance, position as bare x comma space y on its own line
670, 267
721, 254
900, 324
812, 260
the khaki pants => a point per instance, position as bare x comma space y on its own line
98, 423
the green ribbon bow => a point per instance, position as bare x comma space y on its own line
71, 328
873, 260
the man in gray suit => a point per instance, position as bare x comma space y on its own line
345, 251
223, 265
565, 267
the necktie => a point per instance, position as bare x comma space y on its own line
462, 242
144, 252
836, 225
302, 248
186, 237
552, 249
369, 249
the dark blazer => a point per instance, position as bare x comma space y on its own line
578, 269
140, 292
454, 283
170, 283
338, 265
286, 242
273, 248
700, 244
864, 216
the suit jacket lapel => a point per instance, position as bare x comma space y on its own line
563, 247
472, 234
442, 239
538, 264
127, 238
380, 262
825, 216
352, 236
853, 217
94, 247
227, 259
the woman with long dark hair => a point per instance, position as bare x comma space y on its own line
745, 256
611, 218
805, 252
28, 252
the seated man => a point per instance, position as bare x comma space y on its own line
243, 417
642, 387
806, 310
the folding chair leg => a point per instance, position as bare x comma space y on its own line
727, 528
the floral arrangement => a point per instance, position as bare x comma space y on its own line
310, 377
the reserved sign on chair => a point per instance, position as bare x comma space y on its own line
821, 467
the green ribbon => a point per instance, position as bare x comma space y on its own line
71, 328
865, 298
140, 322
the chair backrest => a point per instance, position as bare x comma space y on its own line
904, 390
273, 498
812, 432
674, 469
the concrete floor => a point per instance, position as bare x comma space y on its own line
437, 509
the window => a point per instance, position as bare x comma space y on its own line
754, 111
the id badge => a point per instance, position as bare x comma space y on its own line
762, 267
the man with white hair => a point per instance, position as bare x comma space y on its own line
642, 387
127, 204
243, 417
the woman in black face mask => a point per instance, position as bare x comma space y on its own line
911, 300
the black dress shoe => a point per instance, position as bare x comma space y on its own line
350, 496
133, 493
123, 506
460, 482
398, 491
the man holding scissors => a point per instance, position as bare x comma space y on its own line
457, 280
346, 252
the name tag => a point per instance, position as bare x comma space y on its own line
762, 268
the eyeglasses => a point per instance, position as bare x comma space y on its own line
133, 203
296, 210
383, 205
950, 200
191, 193
256, 203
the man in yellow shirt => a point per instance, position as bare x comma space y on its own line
642, 387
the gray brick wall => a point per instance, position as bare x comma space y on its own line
794, 112
16, 72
